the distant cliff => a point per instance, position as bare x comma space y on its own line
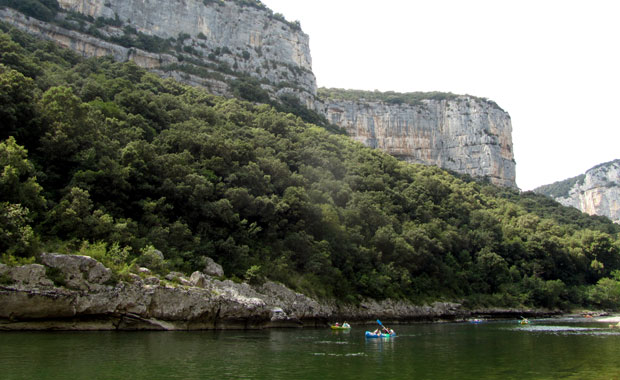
597, 192
241, 48
461, 133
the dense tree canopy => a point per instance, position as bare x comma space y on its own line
105, 155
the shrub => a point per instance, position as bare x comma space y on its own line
14, 261
44, 10
56, 275
153, 259
115, 257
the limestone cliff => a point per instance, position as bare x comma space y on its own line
597, 192
247, 38
204, 43
215, 43
461, 133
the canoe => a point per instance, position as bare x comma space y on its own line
341, 327
381, 335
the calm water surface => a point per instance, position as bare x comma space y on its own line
545, 349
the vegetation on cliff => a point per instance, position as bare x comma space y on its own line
561, 189
391, 97
96, 153
44, 10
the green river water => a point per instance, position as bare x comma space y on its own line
545, 349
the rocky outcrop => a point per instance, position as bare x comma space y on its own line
82, 297
597, 192
220, 40
465, 134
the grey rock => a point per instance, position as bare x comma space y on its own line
152, 280
159, 254
32, 275
213, 269
134, 277
199, 279
79, 271
174, 276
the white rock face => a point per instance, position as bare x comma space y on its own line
466, 134
256, 43
598, 193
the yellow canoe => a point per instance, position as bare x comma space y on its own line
340, 327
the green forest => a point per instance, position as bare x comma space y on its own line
106, 159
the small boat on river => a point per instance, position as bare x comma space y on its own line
371, 334
384, 332
344, 326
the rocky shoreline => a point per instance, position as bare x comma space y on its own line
83, 296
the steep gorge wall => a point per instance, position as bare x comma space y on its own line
258, 43
597, 192
208, 46
464, 134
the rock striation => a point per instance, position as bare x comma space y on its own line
464, 134
249, 38
213, 43
72, 292
597, 192
209, 44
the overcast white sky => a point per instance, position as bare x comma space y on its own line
553, 65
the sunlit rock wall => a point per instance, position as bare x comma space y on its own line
598, 193
466, 134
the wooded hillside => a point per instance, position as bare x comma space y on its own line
106, 159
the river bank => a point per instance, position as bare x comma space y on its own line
71, 292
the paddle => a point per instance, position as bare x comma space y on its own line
381, 324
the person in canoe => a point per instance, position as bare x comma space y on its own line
338, 326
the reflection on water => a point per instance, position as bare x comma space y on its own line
544, 349
591, 329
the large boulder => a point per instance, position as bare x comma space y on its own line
213, 269
79, 271
199, 280
31, 275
